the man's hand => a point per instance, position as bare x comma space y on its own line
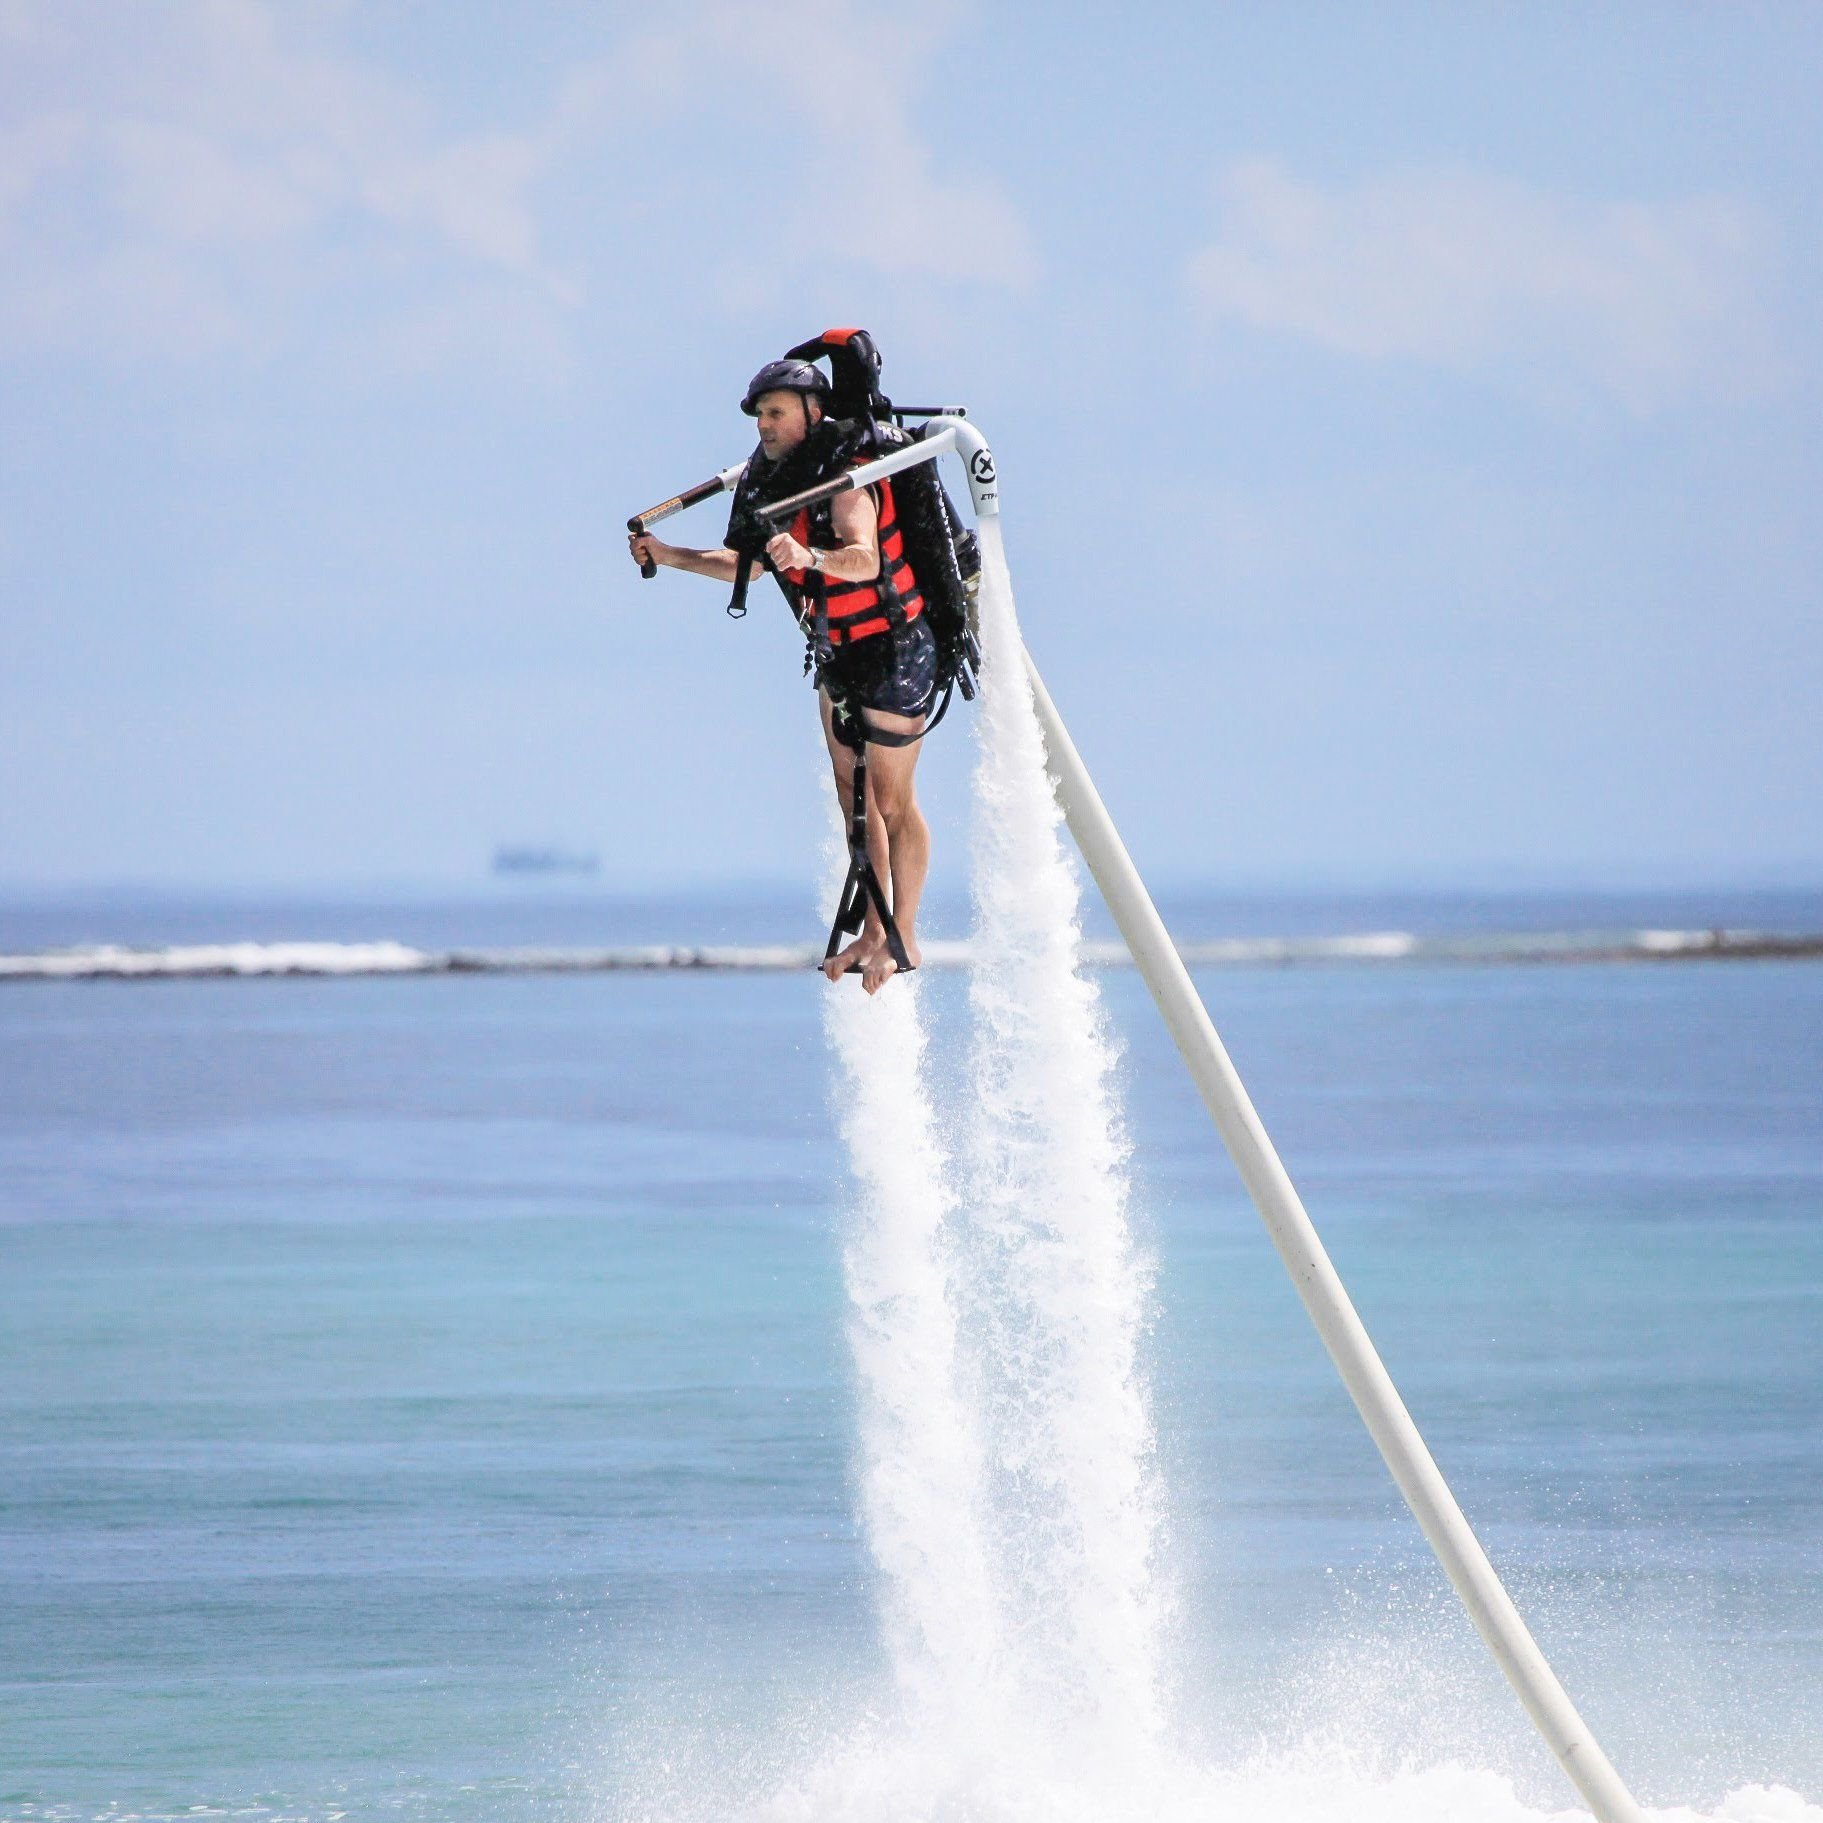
787, 553
647, 549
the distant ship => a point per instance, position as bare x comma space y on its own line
542, 861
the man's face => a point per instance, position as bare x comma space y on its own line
785, 419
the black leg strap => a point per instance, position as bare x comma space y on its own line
850, 729
863, 882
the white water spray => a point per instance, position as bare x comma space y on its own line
996, 1302
920, 1457
1056, 1291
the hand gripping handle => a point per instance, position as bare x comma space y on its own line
637, 525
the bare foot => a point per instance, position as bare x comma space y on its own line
857, 952
879, 968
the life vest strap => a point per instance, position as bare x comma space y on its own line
865, 621
846, 611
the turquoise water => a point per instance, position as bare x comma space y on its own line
429, 1397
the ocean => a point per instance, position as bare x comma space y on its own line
431, 1397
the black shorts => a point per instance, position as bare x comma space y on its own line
895, 671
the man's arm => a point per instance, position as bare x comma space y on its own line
717, 564
856, 556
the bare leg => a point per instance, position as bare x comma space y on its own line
891, 791
898, 844
842, 763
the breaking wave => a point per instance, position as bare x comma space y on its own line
109, 961
115, 962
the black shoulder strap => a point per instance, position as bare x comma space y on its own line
815, 460
890, 598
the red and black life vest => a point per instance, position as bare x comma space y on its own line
858, 610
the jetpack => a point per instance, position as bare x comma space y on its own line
862, 439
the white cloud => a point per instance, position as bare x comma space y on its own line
187, 180
32, 152
829, 82
956, 228
473, 193
21, 21
1646, 302
230, 178
176, 185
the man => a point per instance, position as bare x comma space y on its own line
879, 665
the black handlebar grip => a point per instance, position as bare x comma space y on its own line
648, 569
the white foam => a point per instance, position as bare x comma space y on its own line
112, 960
1368, 946
911, 1778
1672, 942
635, 957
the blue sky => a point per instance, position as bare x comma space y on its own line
1407, 418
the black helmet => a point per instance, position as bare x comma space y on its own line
785, 376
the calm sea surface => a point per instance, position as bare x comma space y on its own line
428, 1397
